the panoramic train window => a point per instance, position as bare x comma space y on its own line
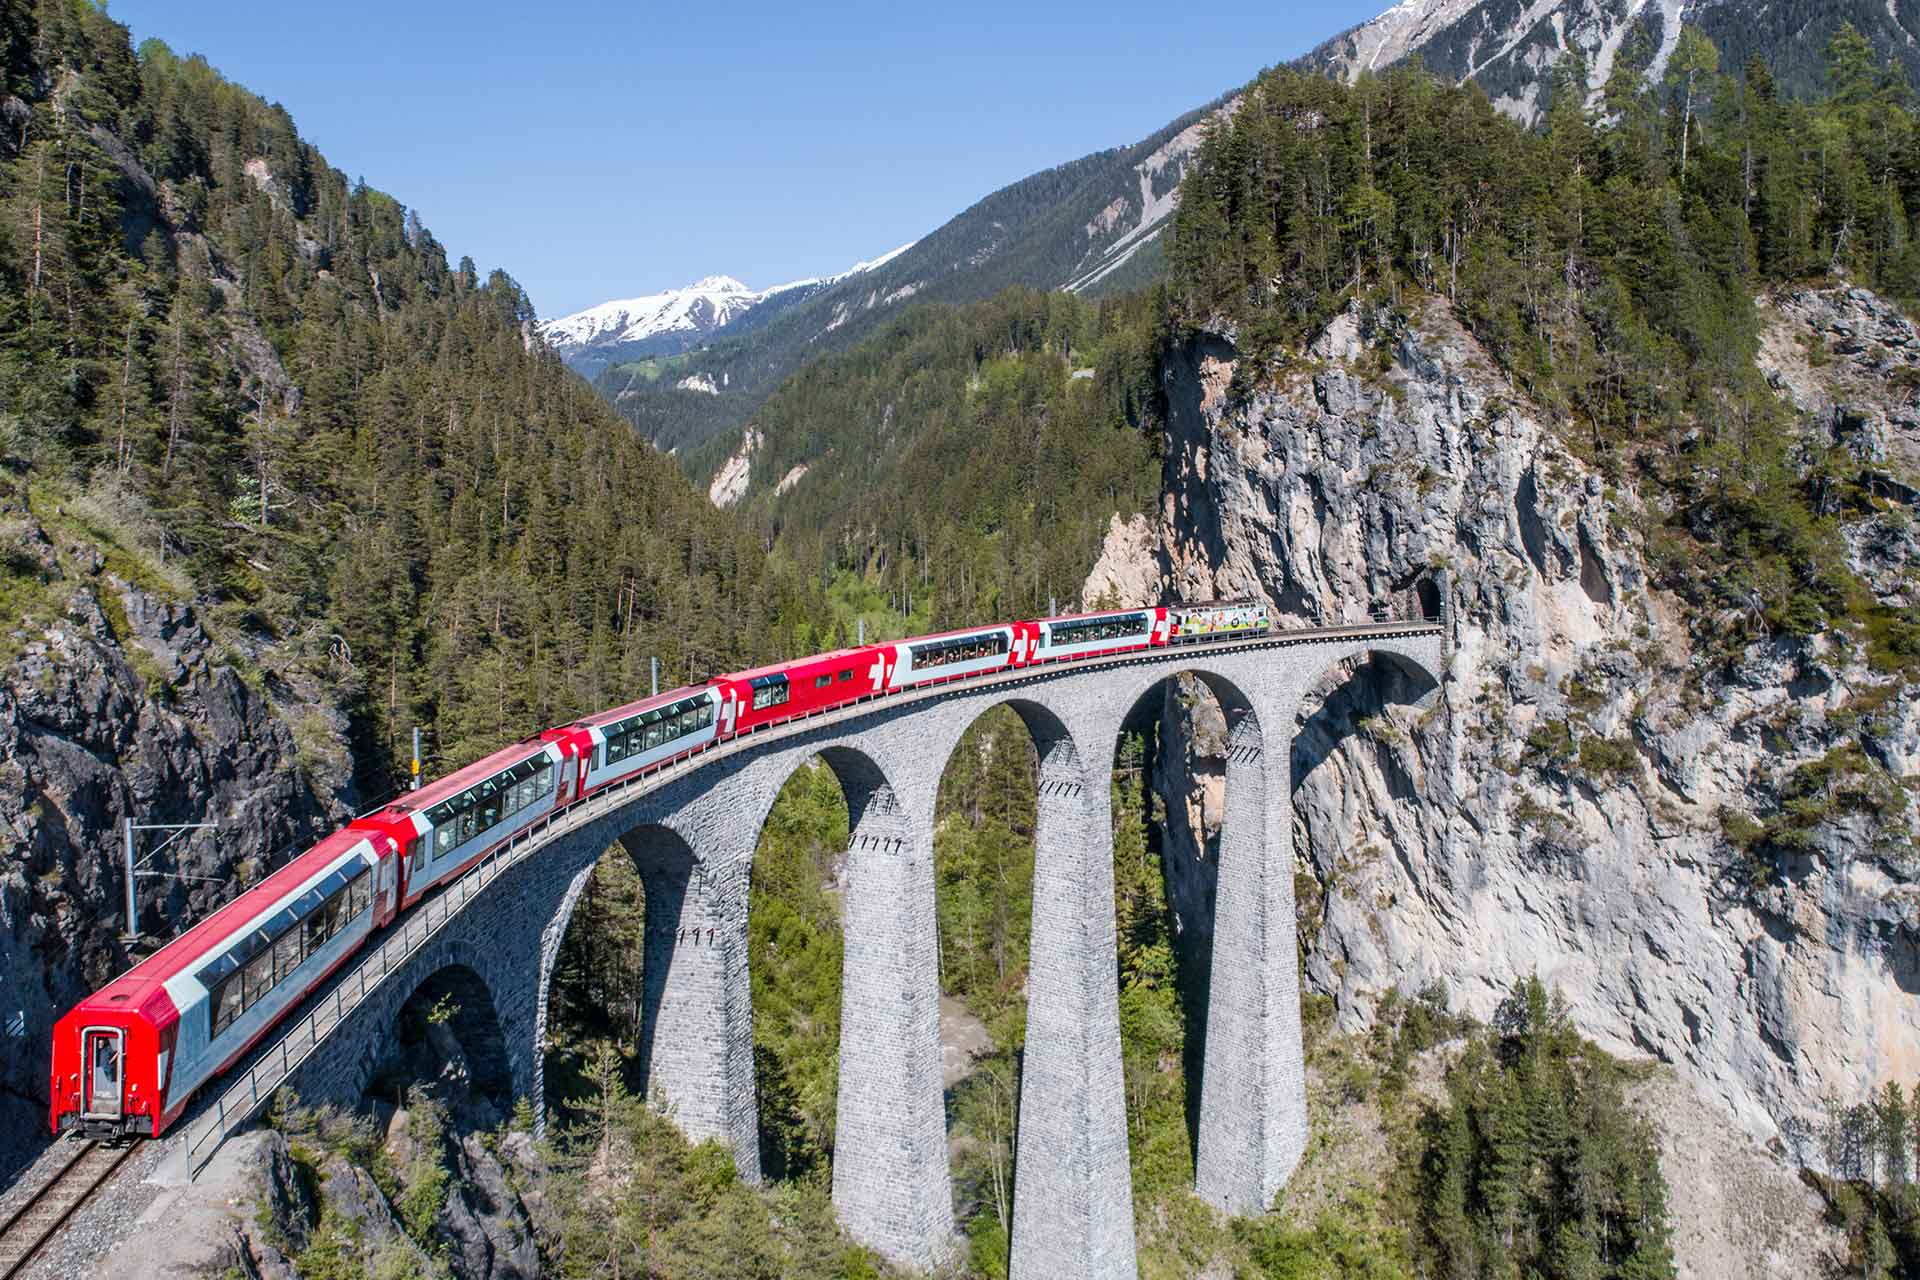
264, 958
657, 727
259, 976
769, 691
485, 806
1086, 630
935, 653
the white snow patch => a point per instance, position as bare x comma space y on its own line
698, 382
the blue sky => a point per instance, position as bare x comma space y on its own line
600, 150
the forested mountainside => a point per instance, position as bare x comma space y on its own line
1092, 226
965, 462
1510, 49
277, 481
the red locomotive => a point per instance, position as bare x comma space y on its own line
128, 1059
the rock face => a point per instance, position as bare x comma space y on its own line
1567, 807
116, 703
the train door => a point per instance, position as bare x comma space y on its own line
103, 1057
569, 772
387, 877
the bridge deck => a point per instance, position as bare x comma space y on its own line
217, 1115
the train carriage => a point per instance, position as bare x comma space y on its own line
127, 1059
1221, 620
953, 654
649, 733
767, 695
448, 825
1087, 635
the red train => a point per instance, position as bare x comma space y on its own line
128, 1059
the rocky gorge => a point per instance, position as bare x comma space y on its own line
117, 703
1705, 842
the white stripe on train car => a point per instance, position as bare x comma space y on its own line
192, 1061
666, 750
1132, 639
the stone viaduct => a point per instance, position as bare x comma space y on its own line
692, 833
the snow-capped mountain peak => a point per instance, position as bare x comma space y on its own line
674, 320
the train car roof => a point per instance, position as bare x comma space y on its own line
648, 703
133, 986
1104, 613
798, 664
948, 635
459, 780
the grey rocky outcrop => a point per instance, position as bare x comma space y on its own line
1442, 845
116, 702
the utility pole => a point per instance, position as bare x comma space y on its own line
133, 868
416, 759
653, 681
861, 626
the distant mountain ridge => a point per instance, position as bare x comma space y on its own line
675, 320
1096, 225
1092, 226
1508, 46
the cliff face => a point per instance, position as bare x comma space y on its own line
1583, 801
116, 703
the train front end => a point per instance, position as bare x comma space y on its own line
110, 1057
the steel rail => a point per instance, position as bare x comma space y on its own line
40, 1216
274, 1062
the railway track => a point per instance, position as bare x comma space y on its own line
83, 1171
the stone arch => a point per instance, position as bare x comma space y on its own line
666, 866
1382, 673
891, 1189
1072, 1185
1246, 895
1022, 731
454, 1000
1345, 708
870, 793
694, 1041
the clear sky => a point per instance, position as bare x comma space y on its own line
600, 150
